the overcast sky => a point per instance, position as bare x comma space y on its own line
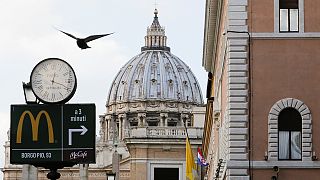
28, 36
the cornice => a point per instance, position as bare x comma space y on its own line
212, 16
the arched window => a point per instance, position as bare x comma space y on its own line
289, 129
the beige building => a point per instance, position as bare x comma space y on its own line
142, 134
263, 60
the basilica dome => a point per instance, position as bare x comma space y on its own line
154, 75
152, 100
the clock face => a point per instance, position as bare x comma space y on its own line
53, 81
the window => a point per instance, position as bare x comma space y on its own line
172, 123
289, 15
133, 123
152, 122
290, 128
166, 173
165, 170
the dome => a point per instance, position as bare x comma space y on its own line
155, 75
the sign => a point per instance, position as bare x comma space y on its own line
41, 133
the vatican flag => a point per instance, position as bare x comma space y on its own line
191, 169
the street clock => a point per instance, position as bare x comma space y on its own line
53, 81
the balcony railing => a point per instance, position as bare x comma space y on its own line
163, 132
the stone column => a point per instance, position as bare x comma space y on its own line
7, 150
83, 171
142, 119
184, 120
146, 40
29, 172
116, 164
149, 41
160, 41
109, 130
115, 129
120, 128
102, 132
106, 130
163, 119
123, 125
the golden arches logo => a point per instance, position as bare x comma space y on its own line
35, 126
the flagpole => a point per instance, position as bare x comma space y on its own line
190, 162
185, 126
187, 141
200, 171
198, 164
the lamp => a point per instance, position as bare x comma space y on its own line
314, 156
111, 176
266, 156
29, 96
275, 169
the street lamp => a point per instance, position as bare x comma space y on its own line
111, 176
29, 96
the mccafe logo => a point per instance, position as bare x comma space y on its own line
35, 125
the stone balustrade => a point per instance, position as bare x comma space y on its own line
163, 132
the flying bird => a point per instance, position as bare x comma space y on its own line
82, 43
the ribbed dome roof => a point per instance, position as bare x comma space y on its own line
155, 74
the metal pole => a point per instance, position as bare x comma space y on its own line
115, 156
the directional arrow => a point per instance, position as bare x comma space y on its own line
83, 131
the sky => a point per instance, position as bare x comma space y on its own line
28, 35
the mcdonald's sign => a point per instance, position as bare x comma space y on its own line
35, 125
46, 133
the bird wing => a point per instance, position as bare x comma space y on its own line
69, 34
93, 37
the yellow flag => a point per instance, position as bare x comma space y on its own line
190, 165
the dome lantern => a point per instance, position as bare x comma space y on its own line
155, 38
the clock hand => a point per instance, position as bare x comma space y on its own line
52, 81
61, 84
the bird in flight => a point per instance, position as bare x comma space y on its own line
82, 43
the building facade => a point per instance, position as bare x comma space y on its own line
262, 112
142, 134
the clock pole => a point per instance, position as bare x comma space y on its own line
52, 84
53, 174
